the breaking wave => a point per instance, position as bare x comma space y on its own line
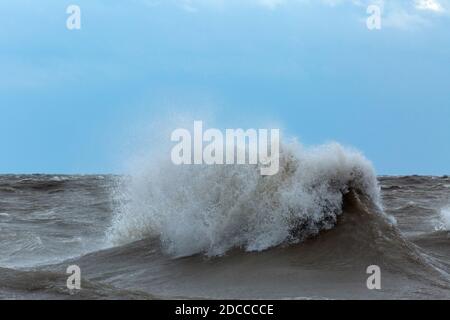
212, 209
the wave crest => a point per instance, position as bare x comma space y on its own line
211, 209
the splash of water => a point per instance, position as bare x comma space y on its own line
211, 209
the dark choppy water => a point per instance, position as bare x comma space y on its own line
50, 222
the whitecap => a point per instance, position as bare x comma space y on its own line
212, 209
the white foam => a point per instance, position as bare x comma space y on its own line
445, 219
211, 209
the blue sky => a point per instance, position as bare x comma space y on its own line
70, 101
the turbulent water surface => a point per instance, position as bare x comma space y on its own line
309, 232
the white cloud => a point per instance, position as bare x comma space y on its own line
404, 20
431, 5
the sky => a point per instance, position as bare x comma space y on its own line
75, 101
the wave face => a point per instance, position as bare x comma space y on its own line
212, 209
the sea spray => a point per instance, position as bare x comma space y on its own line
444, 223
211, 209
